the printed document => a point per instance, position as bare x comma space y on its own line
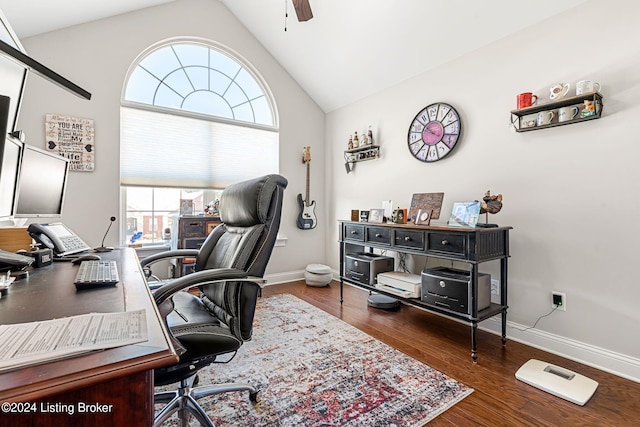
30, 343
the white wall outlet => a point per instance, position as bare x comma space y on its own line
559, 299
495, 291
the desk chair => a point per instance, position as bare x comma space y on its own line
227, 271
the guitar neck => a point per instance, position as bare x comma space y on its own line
306, 199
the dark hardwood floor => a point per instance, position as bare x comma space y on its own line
499, 398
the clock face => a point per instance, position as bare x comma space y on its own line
434, 132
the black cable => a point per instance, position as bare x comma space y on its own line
536, 322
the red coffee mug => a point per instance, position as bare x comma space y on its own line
526, 99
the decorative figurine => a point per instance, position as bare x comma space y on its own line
356, 142
490, 205
589, 109
350, 146
370, 135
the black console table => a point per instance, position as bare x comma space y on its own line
469, 245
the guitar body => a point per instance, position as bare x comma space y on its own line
307, 216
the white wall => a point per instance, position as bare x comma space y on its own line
571, 192
96, 56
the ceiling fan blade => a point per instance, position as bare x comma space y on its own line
303, 10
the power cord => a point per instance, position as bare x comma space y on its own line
539, 318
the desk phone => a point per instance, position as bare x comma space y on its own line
57, 237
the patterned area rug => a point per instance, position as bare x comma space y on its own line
313, 369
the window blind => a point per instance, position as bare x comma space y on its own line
165, 150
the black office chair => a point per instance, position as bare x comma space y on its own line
227, 271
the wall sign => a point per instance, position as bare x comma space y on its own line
72, 138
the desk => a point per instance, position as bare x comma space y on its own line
120, 380
469, 245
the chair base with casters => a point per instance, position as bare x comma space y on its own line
184, 400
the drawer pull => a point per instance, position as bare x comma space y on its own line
378, 235
442, 284
354, 232
445, 242
407, 239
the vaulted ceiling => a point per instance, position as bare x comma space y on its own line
350, 49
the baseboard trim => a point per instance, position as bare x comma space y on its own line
277, 278
609, 361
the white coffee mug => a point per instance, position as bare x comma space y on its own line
584, 86
567, 113
545, 117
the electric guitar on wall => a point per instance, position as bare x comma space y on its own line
307, 217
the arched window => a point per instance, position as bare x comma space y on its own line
195, 117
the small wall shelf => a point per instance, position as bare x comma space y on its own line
362, 154
524, 120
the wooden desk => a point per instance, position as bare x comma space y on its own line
119, 380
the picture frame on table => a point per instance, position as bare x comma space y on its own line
423, 217
464, 214
376, 216
399, 216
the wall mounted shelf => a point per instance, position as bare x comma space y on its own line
362, 154
524, 120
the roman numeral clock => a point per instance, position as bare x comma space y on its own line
434, 132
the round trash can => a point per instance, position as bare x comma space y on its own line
318, 275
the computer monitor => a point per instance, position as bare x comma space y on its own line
10, 156
41, 184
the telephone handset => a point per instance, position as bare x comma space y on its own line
57, 237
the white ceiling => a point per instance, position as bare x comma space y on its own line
350, 49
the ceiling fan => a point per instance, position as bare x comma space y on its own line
303, 10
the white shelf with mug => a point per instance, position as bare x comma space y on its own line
564, 111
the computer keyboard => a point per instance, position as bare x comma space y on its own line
96, 273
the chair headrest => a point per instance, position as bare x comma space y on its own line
247, 203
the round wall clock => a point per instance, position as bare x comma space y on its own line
434, 132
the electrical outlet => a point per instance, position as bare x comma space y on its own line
495, 291
559, 299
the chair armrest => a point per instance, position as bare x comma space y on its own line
176, 253
198, 278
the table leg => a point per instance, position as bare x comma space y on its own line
474, 353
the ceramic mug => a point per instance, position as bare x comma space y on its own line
567, 113
526, 99
584, 86
558, 91
545, 117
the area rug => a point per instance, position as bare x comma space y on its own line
313, 369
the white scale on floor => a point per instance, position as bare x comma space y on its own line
558, 381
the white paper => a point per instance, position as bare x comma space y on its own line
36, 342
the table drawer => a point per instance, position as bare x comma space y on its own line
448, 243
378, 235
411, 239
354, 232
192, 228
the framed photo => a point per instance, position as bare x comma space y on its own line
355, 214
399, 216
426, 201
464, 214
376, 215
364, 216
423, 217
186, 207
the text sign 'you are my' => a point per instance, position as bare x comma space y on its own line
72, 138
